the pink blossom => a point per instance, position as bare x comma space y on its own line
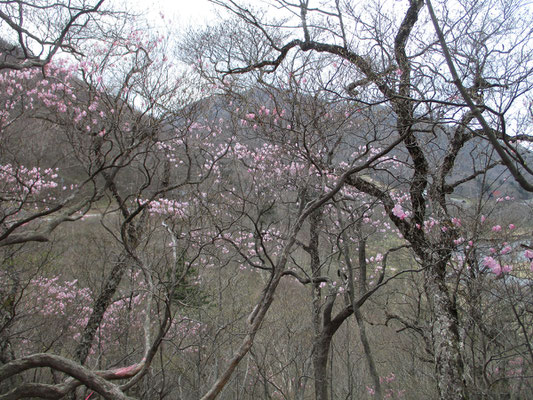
529, 254
511, 226
398, 212
493, 265
497, 270
496, 228
506, 250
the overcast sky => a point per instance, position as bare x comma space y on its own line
181, 12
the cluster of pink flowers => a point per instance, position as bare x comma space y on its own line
399, 212
169, 207
27, 180
270, 164
495, 266
68, 306
388, 392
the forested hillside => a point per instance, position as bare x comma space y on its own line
311, 200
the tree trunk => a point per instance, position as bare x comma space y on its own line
368, 353
322, 341
357, 312
100, 307
445, 334
320, 364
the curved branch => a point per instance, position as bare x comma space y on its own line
92, 379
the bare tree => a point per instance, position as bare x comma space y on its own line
36, 31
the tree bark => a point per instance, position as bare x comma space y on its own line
100, 307
321, 342
357, 312
445, 334
92, 379
320, 364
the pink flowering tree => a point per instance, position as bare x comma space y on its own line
273, 172
107, 135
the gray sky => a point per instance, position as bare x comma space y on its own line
181, 12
